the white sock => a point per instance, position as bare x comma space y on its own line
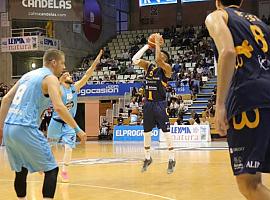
171, 155
147, 144
169, 142
67, 158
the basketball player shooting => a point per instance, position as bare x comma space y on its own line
154, 110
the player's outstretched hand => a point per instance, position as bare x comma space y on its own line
83, 137
221, 121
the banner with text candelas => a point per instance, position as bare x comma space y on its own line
58, 10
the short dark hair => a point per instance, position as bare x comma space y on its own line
231, 2
167, 54
52, 54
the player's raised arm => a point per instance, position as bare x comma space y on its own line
5, 104
136, 59
216, 24
160, 62
79, 84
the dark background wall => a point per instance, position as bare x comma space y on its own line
171, 15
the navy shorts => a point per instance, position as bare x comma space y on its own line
155, 115
249, 142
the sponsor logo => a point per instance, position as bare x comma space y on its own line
180, 130
52, 4
238, 163
237, 149
133, 133
111, 89
253, 164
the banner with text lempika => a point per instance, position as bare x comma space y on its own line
61, 10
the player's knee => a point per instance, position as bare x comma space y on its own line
50, 183
147, 139
248, 184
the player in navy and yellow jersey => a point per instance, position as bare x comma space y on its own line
154, 110
58, 130
21, 112
243, 93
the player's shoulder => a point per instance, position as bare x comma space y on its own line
217, 15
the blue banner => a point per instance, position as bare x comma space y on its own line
182, 89
156, 2
118, 89
132, 133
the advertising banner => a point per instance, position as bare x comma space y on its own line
61, 10
17, 44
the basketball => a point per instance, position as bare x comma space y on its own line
151, 41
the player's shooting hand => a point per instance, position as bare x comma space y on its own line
158, 39
221, 121
83, 137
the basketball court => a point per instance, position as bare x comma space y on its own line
106, 170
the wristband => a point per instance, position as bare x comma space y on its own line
77, 129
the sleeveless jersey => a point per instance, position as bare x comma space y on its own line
250, 86
155, 83
29, 103
69, 98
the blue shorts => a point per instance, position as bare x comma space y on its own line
61, 132
27, 147
249, 142
155, 115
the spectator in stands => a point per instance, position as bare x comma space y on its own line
105, 130
264, 19
182, 108
134, 116
134, 92
203, 121
130, 69
107, 52
120, 120
191, 121
179, 121
195, 116
143, 40
133, 104
174, 106
140, 95
168, 93
200, 70
137, 40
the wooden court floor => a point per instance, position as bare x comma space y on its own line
110, 171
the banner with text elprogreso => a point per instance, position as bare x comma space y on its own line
132, 133
97, 90
61, 10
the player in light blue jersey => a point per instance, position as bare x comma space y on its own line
58, 130
20, 117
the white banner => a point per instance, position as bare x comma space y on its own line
17, 44
28, 43
45, 43
189, 133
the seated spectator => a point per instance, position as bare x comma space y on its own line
134, 92
173, 94
179, 121
130, 70
134, 116
133, 104
182, 107
195, 116
143, 40
204, 121
192, 122
174, 106
104, 129
120, 120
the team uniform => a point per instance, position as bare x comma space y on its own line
248, 102
58, 129
26, 146
154, 110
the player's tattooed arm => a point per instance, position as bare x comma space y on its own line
216, 24
79, 84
